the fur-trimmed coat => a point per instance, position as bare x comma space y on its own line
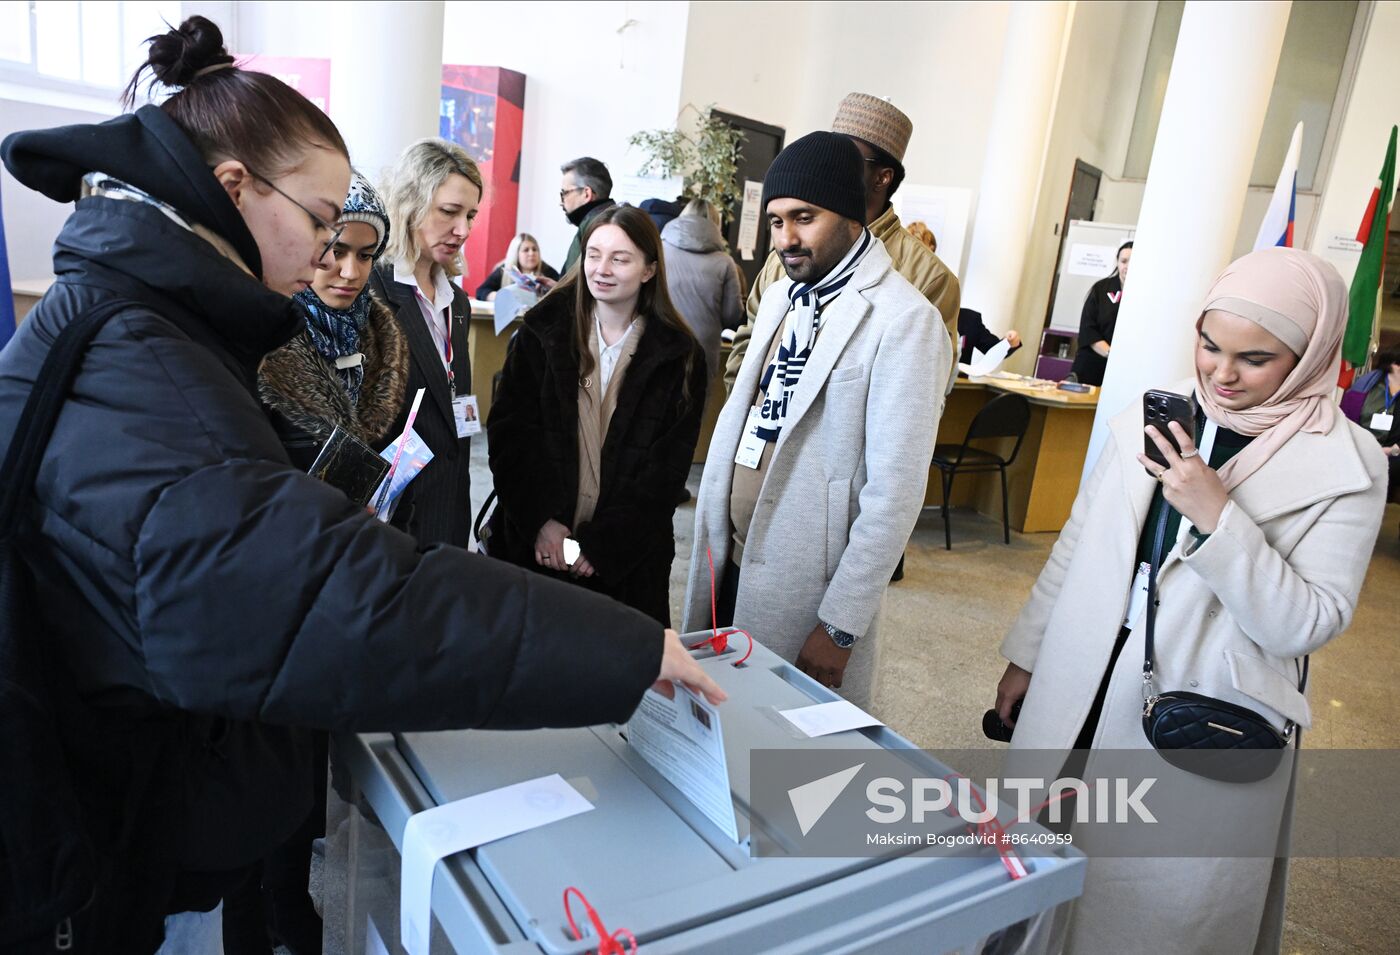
306, 400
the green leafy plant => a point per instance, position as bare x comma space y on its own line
702, 149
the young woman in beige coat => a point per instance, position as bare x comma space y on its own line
1281, 524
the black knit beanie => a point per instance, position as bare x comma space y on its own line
825, 169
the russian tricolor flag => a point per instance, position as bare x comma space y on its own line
1277, 227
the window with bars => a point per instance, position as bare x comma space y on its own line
79, 44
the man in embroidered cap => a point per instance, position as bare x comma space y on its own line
881, 133
810, 487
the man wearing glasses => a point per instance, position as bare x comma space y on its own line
585, 192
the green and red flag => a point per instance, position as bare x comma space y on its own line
1365, 296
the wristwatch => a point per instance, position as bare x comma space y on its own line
841, 638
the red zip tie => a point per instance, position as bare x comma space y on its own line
609, 943
719, 642
992, 831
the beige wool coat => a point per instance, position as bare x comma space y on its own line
1278, 579
846, 480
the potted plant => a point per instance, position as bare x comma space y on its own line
706, 156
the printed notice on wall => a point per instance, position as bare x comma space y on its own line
1345, 244
748, 218
1096, 260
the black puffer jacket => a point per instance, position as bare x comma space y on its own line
187, 568
646, 454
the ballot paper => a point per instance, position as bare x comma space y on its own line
682, 740
983, 365
823, 719
434, 834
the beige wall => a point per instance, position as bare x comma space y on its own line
1098, 89
790, 63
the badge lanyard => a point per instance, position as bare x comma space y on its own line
447, 354
447, 345
1389, 398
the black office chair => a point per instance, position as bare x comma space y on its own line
1005, 416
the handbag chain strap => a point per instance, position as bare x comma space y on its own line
1149, 693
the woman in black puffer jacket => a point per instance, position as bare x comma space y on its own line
208, 601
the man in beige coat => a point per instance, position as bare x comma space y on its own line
881, 132
816, 471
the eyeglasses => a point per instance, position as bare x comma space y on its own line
565, 192
321, 224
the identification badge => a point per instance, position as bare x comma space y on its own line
467, 415
750, 453
1137, 600
1382, 422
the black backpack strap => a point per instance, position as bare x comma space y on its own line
36, 422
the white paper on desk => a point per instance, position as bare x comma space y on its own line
683, 741
823, 719
983, 365
434, 834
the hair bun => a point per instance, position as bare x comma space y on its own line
177, 56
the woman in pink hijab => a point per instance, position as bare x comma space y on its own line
1272, 506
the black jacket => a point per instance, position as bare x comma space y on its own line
582, 217
975, 335
187, 569
1096, 324
646, 455
437, 506
498, 274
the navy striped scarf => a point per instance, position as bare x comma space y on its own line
806, 304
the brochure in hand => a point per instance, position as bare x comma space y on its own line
415, 457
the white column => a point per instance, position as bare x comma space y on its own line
1217, 94
1030, 65
386, 79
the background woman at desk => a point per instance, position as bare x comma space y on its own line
1097, 320
1267, 512
523, 258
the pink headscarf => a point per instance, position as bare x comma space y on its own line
1302, 301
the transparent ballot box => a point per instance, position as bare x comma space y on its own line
649, 860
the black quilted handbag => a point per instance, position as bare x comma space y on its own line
1184, 727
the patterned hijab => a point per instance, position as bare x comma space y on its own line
335, 333
1302, 301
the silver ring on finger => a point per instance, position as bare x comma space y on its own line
1194, 452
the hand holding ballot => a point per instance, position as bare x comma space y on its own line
677, 666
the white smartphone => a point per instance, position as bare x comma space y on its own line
571, 551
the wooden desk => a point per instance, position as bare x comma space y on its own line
1043, 481
27, 293
487, 352
714, 403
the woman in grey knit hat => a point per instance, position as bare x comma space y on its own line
350, 367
